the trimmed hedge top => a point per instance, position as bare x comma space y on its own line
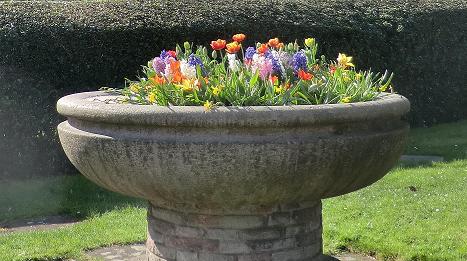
118, 13
110, 37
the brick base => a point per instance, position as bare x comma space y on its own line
289, 234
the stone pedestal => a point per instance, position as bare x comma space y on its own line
217, 181
286, 234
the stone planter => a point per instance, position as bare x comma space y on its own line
237, 183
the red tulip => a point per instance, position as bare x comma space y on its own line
262, 49
172, 53
304, 75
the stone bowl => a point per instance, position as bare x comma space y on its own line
232, 159
235, 183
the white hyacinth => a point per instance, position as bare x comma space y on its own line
234, 64
168, 73
187, 70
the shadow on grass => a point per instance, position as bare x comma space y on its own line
403, 164
85, 199
446, 140
71, 196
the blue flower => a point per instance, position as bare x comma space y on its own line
194, 60
164, 54
250, 51
299, 61
276, 65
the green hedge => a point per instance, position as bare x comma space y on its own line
49, 49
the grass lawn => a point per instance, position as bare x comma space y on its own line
447, 140
411, 214
414, 213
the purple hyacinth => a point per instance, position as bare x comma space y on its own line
158, 65
194, 60
250, 51
164, 54
299, 61
276, 66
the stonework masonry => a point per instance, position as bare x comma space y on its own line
288, 234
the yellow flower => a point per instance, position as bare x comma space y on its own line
383, 88
208, 105
345, 99
135, 88
358, 76
152, 97
344, 60
310, 42
216, 90
278, 89
187, 85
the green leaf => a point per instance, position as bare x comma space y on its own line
254, 79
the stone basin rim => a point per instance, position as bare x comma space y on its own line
91, 106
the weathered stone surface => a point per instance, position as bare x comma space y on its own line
118, 253
138, 253
215, 257
232, 160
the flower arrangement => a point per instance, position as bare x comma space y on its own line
272, 73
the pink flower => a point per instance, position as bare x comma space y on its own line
265, 69
263, 65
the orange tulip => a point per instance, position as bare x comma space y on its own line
158, 80
233, 47
239, 38
201, 81
274, 42
274, 80
174, 65
304, 75
262, 49
218, 44
177, 76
